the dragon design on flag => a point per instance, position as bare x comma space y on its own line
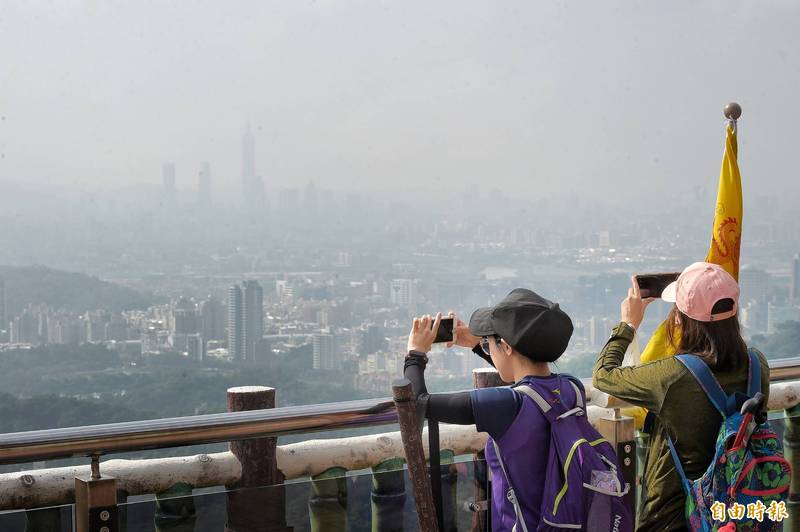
725, 246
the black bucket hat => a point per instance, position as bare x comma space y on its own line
536, 327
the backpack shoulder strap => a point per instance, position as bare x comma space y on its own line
510, 494
579, 391
540, 401
707, 382
753, 374
687, 486
556, 410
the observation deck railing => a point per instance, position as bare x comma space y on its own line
259, 485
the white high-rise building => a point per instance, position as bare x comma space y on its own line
245, 319
325, 353
196, 347
235, 323
403, 293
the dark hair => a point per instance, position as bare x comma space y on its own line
718, 343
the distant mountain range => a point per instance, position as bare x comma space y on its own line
76, 292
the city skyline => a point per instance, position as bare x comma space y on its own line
504, 97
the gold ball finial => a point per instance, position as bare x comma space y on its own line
733, 111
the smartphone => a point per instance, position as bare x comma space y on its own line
653, 284
445, 332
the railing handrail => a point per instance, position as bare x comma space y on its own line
193, 430
229, 426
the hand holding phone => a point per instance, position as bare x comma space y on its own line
423, 333
632, 307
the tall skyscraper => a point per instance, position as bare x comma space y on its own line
196, 347
168, 179
25, 328
403, 293
204, 186
755, 284
253, 317
235, 323
212, 319
794, 293
252, 186
96, 322
245, 319
325, 351
373, 339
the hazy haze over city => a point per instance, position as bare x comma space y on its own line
538, 98
202, 197
195, 196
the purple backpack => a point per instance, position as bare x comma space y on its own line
584, 487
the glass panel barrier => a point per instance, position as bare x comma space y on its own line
377, 500
51, 519
353, 501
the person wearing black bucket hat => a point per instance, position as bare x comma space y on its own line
519, 336
535, 327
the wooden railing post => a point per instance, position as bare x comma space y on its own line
620, 433
415, 454
257, 502
328, 503
388, 496
482, 378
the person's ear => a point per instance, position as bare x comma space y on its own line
507, 348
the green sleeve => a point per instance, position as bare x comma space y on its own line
644, 385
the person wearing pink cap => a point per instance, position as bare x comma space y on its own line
703, 322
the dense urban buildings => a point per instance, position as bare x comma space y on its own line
333, 278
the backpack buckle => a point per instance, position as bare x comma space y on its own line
511, 496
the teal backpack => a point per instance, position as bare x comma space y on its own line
747, 483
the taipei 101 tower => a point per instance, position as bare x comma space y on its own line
252, 186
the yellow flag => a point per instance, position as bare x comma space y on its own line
726, 235
726, 239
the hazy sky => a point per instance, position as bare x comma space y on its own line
535, 97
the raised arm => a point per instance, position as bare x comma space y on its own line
644, 385
455, 408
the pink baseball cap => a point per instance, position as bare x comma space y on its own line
699, 288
